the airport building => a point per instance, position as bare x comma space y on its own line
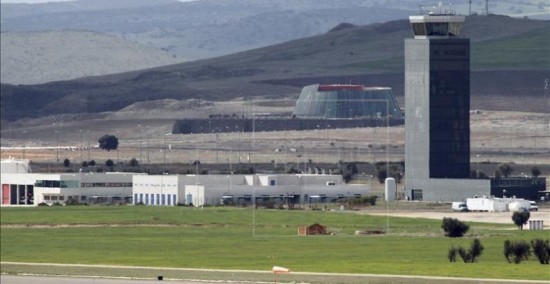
346, 102
22, 188
199, 190
437, 106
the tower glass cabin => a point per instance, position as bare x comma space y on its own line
437, 98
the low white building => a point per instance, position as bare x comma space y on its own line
496, 204
34, 188
241, 189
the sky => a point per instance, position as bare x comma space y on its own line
45, 1
31, 1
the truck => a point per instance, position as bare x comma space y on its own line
459, 206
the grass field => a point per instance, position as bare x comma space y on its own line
233, 238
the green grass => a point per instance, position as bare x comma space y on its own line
525, 51
529, 50
223, 238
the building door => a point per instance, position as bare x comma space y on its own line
5, 194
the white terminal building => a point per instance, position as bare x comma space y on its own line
20, 187
199, 190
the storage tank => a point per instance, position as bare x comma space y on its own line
390, 189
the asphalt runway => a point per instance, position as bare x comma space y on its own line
12, 279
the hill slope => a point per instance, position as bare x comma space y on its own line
208, 28
370, 55
39, 57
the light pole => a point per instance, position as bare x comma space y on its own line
118, 146
57, 145
24, 143
80, 133
89, 146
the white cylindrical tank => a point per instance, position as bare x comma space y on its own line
390, 189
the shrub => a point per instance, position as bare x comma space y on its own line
516, 251
471, 255
134, 162
452, 254
43, 204
66, 163
521, 218
541, 249
535, 171
505, 169
454, 228
109, 163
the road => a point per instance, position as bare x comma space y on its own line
11, 279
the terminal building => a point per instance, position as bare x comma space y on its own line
20, 187
199, 190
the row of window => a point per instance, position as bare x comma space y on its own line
155, 185
106, 184
155, 199
57, 183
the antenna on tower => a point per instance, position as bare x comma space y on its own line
470, 8
487, 7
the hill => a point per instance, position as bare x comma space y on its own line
39, 57
370, 55
208, 28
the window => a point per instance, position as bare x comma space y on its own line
419, 29
416, 194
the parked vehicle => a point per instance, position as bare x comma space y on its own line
459, 206
533, 206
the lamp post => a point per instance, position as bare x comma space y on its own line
57, 146
24, 143
118, 146
80, 133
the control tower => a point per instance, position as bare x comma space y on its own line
437, 106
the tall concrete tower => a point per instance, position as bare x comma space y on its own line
437, 104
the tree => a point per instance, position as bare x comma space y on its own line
541, 249
382, 174
108, 142
66, 163
84, 164
92, 163
516, 251
454, 228
134, 163
535, 171
473, 253
521, 218
109, 163
505, 169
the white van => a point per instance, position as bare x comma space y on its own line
459, 206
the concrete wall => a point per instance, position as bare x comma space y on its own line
417, 108
448, 190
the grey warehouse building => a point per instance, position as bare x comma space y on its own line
437, 105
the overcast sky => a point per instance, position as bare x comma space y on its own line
44, 1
